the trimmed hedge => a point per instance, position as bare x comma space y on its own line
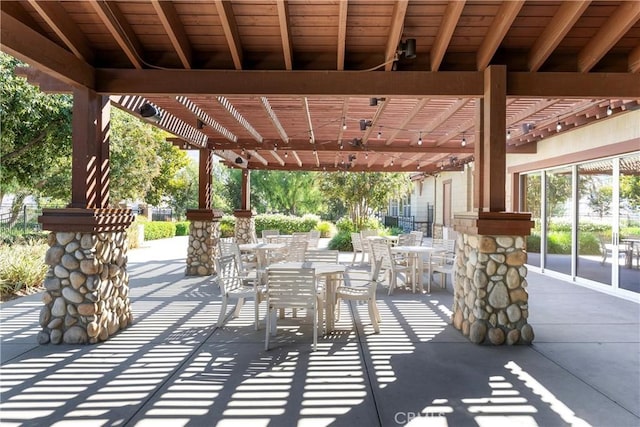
154, 230
182, 228
341, 241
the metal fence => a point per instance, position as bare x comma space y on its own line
26, 220
161, 214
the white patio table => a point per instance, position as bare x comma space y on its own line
415, 253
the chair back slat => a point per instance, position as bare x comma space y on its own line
291, 288
320, 255
228, 277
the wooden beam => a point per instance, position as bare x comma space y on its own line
564, 19
175, 30
283, 19
59, 21
634, 60
230, 28
573, 85
442, 118
307, 115
382, 106
445, 32
395, 32
498, 29
227, 105
257, 155
34, 49
625, 16
206, 119
119, 29
46, 82
407, 84
204, 178
342, 33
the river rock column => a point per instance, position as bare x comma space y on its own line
204, 233
245, 231
491, 303
86, 298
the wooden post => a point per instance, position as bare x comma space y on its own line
204, 179
245, 201
494, 161
90, 139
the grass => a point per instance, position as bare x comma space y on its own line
22, 268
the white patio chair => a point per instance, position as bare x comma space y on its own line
247, 268
385, 260
361, 293
366, 242
269, 233
419, 236
321, 255
232, 288
443, 263
314, 239
296, 251
291, 288
356, 242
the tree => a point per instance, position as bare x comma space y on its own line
288, 192
630, 191
600, 198
364, 192
35, 148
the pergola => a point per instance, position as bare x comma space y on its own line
406, 85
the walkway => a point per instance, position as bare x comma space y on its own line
174, 368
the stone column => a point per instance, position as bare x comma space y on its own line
86, 298
491, 303
245, 231
204, 233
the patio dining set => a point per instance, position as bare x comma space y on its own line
290, 273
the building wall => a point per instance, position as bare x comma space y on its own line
604, 132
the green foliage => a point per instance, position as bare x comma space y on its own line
287, 192
345, 224
370, 223
533, 243
588, 244
363, 192
341, 241
17, 237
22, 266
285, 223
227, 226
133, 232
35, 142
630, 231
630, 191
182, 228
159, 230
395, 231
326, 229
559, 243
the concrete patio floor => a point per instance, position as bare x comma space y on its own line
174, 367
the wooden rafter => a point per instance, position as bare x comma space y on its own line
283, 19
120, 30
257, 155
230, 28
342, 33
58, 20
382, 106
277, 157
237, 115
447, 27
608, 35
441, 118
206, 119
634, 60
419, 105
498, 29
567, 15
274, 118
395, 32
307, 114
174, 29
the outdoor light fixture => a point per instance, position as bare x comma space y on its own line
420, 139
150, 113
344, 124
199, 124
464, 141
380, 132
373, 102
609, 110
408, 48
508, 134
239, 160
364, 124
558, 126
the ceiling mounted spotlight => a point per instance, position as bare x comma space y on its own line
408, 48
373, 102
364, 124
150, 112
239, 160
200, 124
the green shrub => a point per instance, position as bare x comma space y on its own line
182, 228
18, 237
227, 226
22, 266
341, 241
559, 243
326, 229
285, 223
533, 243
345, 224
154, 230
588, 244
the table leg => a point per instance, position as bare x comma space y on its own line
330, 300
